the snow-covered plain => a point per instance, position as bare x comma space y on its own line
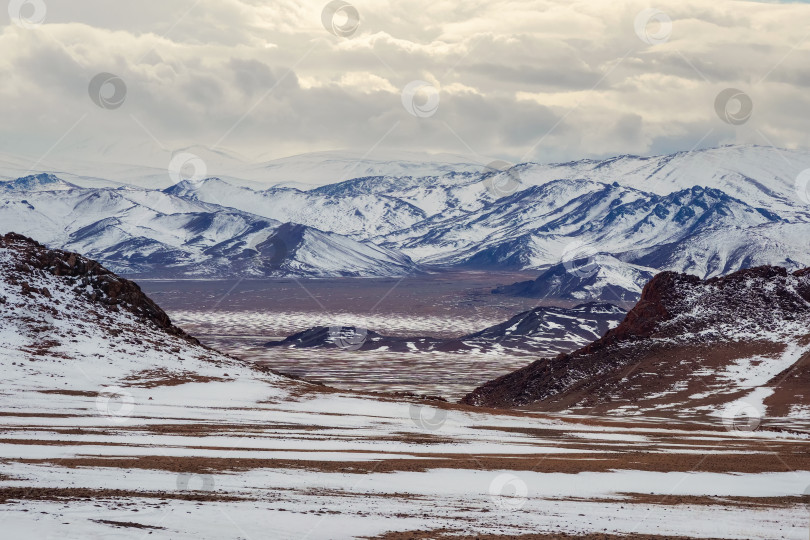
280, 461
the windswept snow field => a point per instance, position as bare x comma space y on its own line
261, 457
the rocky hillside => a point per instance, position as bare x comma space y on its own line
70, 325
546, 330
688, 347
29, 262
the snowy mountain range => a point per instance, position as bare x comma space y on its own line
593, 229
153, 233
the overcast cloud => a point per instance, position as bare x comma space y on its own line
516, 80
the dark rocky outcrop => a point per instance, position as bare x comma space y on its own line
681, 326
88, 278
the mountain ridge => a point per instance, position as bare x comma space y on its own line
737, 338
542, 330
709, 212
151, 233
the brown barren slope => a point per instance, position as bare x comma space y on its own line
688, 346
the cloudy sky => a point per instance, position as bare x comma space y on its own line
515, 80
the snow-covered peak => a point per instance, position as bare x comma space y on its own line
191, 186
759, 175
37, 182
358, 215
589, 277
323, 168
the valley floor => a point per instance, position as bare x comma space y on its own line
240, 316
249, 458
